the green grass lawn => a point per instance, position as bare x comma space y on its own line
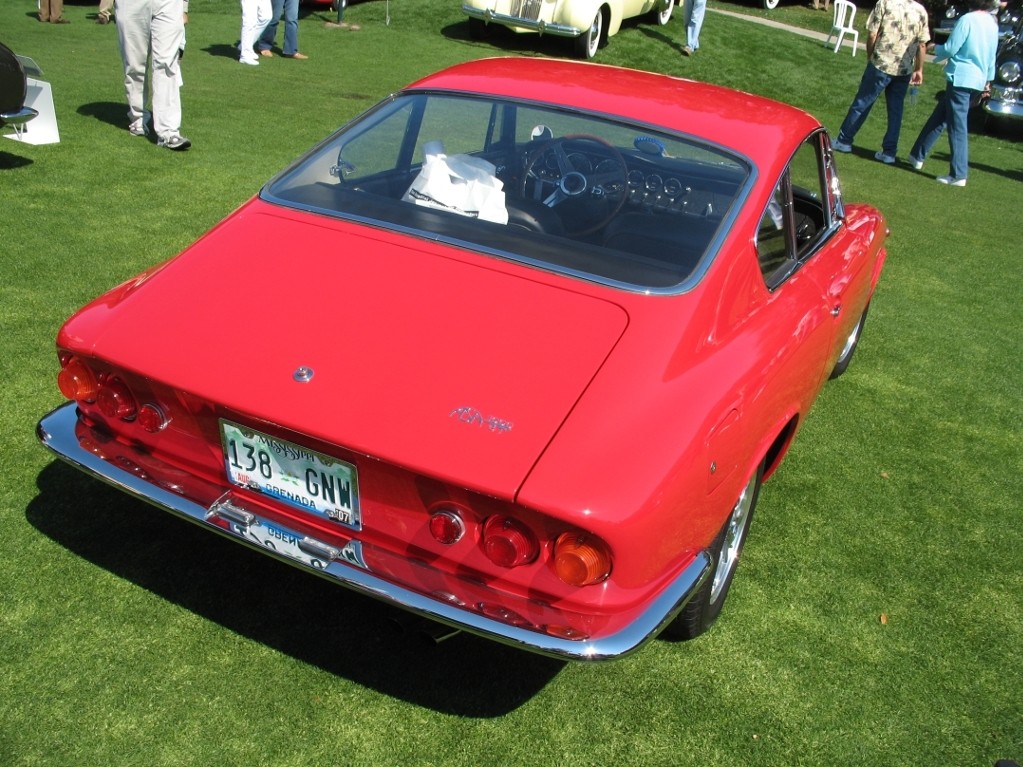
877, 617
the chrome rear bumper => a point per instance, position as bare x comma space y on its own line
57, 431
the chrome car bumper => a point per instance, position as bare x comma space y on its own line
1005, 102
20, 117
229, 517
537, 25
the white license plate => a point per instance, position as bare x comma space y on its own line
293, 474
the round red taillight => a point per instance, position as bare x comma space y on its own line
580, 560
116, 401
77, 382
446, 525
152, 419
508, 543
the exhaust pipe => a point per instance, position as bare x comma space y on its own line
430, 632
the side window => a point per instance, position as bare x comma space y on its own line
799, 215
773, 249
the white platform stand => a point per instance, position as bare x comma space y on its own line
41, 129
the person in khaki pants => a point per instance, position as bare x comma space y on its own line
52, 11
153, 29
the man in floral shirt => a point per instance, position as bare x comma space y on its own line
897, 38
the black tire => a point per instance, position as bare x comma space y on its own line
770, 5
587, 44
849, 349
703, 609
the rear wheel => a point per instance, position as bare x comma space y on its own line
770, 5
703, 609
850, 346
588, 42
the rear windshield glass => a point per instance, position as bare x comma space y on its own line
566, 191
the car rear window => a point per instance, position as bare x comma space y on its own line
584, 194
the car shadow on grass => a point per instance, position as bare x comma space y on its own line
13, 160
319, 623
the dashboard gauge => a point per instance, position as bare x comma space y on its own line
580, 162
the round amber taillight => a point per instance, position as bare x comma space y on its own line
580, 560
508, 542
115, 400
77, 382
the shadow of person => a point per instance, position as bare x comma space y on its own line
110, 112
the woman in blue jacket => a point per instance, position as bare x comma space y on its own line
969, 56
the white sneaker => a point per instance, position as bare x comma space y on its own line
917, 164
175, 142
252, 62
887, 159
951, 181
841, 146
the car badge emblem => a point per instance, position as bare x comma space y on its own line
303, 374
474, 417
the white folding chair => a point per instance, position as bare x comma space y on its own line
842, 23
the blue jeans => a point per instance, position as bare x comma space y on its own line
950, 112
692, 15
290, 8
873, 83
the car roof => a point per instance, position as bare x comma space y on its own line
764, 130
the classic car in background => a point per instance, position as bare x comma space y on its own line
1008, 17
514, 350
588, 22
13, 90
1006, 98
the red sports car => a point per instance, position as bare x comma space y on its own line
513, 350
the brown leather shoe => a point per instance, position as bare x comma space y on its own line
296, 55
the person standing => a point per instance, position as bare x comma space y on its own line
52, 11
153, 30
692, 15
266, 40
255, 17
897, 37
970, 53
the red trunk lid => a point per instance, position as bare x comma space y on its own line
432, 359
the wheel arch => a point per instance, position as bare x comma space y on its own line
773, 449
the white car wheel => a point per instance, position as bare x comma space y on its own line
588, 42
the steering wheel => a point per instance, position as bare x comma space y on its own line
559, 175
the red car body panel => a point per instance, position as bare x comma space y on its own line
381, 378
452, 378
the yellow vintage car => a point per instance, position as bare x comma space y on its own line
589, 22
